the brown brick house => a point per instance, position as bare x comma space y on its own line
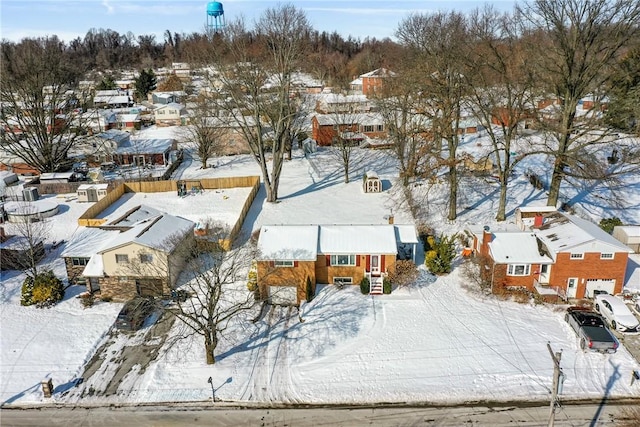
561, 254
294, 255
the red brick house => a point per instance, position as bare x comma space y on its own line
293, 257
326, 128
373, 80
561, 254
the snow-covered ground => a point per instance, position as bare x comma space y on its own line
437, 341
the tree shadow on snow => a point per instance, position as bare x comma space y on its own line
320, 330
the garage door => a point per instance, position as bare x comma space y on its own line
600, 285
283, 295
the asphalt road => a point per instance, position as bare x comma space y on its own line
569, 415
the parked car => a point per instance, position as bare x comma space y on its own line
591, 330
134, 313
617, 313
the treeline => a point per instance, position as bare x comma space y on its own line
329, 56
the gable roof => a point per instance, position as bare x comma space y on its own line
357, 239
512, 248
288, 242
305, 242
87, 242
561, 232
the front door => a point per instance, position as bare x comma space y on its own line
572, 286
545, 271
375, 264
139, 160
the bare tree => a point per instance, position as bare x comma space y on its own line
576, 44
500, 90
437, 41
27, 237
206, 129
346, 119
215, 283
256, 86
400, 104
41, 113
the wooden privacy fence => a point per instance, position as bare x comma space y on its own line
90, 217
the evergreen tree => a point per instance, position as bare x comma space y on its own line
145, 83
107, 83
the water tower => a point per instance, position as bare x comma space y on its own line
215, 16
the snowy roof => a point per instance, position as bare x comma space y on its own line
119, 136
145, 146
289, 242
129, 117
157, 232
380, 72
349, 118
529, 209
110, 99
134, 216
95, 186
629, 230
356, 82
406, 233
95, 267
87, 242
562, 231
510, 248
357, 239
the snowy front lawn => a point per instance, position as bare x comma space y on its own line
435, 342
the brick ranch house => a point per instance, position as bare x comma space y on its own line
293, 255
326, 128
138, 254
561, 255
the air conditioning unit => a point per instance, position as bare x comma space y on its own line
30, 194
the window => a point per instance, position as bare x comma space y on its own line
606, 255
122, 258
343, 281
283, 263
146, 258
518, 269
577, 256
79, 261
380, 128
367, 128
343, 260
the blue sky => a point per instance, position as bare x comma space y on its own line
69, 19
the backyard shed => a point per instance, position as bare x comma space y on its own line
629, 235
92, 192
372, 183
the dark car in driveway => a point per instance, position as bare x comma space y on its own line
134, 313
591, 330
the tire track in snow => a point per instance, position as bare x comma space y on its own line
258, 380
281, 374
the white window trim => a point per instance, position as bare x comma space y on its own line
283, 263
334, 261
512, 267
576, 256
122, 262
607, 255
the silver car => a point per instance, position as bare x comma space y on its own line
617, 313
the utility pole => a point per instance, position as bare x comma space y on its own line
557, 371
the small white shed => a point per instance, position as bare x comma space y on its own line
92, 192
629, 235
371, 183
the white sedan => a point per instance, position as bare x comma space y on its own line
617, 313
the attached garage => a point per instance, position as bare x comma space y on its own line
149, 287
283, 295
607, 285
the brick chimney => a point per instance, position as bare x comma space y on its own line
487, 237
